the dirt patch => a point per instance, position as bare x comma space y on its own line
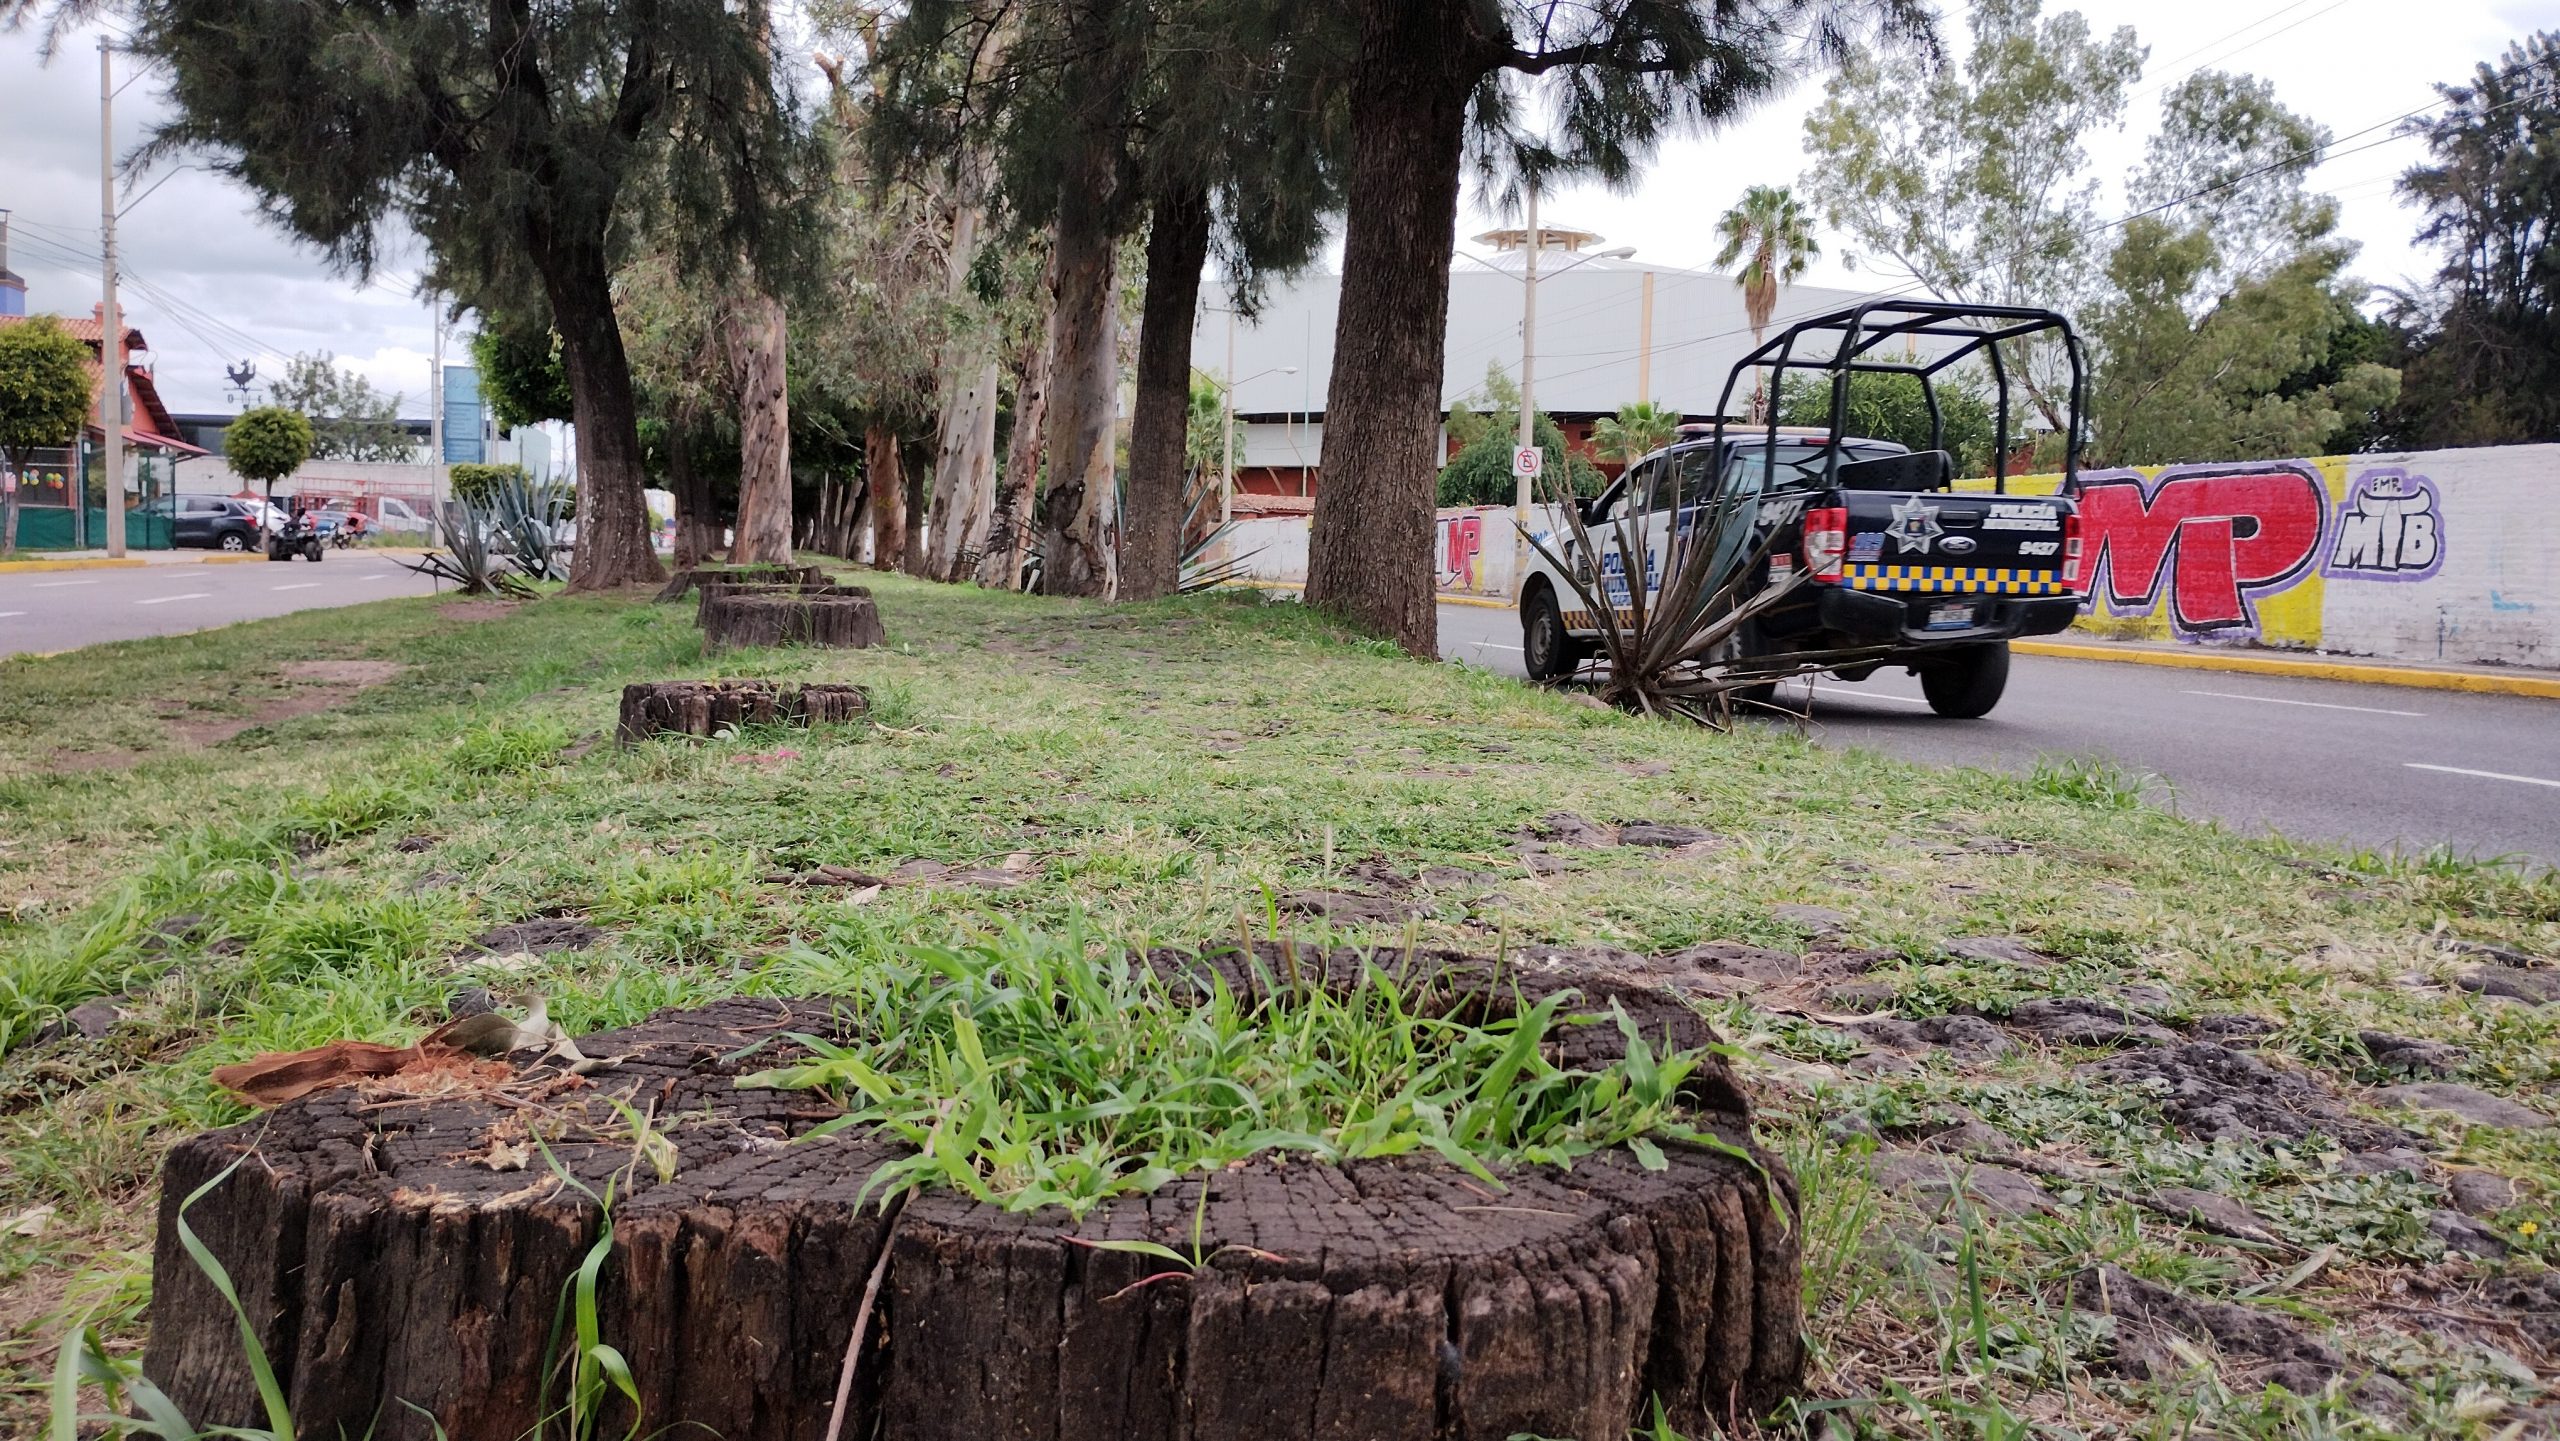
475, 609
540, 935
2211, 1092
2151, 1321
213, 731
342, 672
74, 762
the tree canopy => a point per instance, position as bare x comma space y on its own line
520, 371
1480, 473
350, 420
1888, 406
44, 400
267, 444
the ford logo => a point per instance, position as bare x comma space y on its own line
1957, 545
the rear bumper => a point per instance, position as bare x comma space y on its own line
1845, 617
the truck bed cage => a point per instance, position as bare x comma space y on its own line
1861, 328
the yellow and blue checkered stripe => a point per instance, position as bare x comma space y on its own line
1958, 579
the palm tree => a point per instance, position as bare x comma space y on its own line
1640, 428
1777, 234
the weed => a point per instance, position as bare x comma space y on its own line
2092, 781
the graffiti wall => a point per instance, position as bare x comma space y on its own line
2450, 555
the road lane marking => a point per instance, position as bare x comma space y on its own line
57, 584
5, 614
165, 599
1491, 645
298, 585
1867, 695
2484, 775
2314, 704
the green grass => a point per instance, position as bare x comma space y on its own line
1164, 772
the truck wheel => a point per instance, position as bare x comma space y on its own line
1968, 683
1548, 651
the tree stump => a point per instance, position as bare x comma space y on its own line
711, 592
707, 707
739, 619
385, 1265
684, 581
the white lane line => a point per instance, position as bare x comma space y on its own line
1491, 645
165, 599
57, 584
299, 585
378, 576
2314, 704
2484, 775
1833, 690
5, 614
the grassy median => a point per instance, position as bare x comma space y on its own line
290, 832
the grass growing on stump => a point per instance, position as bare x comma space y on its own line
1027, 1073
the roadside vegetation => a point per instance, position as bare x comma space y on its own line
1975, 1009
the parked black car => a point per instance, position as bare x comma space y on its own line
217, 522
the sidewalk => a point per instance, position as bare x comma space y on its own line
29, 562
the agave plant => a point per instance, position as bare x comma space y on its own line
529, 517
1670, 640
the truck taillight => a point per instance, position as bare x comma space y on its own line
1826, 544
2071, 551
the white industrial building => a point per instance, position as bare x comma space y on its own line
1611, 329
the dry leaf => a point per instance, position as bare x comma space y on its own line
505, 1155
29, 1222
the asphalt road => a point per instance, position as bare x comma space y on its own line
58, 610
2366, 765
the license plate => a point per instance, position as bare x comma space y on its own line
1957, 615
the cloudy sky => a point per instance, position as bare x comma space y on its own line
213, 284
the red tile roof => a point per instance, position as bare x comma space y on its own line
154, 427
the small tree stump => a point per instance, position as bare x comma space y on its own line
707, 707
686, 580
713, 591
383, 1261
740, 619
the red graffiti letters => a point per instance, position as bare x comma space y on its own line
2219, 536
1462, 538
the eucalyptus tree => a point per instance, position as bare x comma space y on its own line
1615, 76
510, 139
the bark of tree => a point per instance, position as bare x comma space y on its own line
884, 474
1369, 554
964, 481
1159, 432
756, 337
697, 530
613, 516
705, 707
1080, 542
1018, 496
731, 617
915, 462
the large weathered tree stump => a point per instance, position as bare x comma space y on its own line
707, 707
711, 592
745, 618
684, 581
383, 1261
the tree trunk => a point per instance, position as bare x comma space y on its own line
915, 463
1159, 433
613, 516
1080, 543
404, 1287
731, 618
706, 707
1369, 554
697, 530
884, 471
964, 479
756, 339
1009, 541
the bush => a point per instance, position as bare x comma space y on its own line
479, 484
1884, 406
267, 444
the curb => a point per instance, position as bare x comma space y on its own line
33, 567
1440, 598
2478, 682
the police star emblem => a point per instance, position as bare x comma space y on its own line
1915, 525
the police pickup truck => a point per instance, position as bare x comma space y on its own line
1880, 560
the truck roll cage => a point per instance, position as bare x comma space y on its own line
1859, 329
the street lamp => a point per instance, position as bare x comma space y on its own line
1227, 408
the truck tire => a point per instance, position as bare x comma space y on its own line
1548, 651
1968, 682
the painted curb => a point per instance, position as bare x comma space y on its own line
2546, 687
32, 567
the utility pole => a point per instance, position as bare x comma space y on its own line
1522, 499
435, 424
111, 349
